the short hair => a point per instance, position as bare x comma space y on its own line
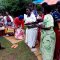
44, 4
47, 7
29, 8
58, 3
30, 5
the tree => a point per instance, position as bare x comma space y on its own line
15, 7
20, 6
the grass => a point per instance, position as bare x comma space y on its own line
22, 52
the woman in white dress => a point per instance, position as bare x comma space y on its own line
31, 33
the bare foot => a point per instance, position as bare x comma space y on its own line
14, 46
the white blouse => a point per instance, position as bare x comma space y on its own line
30, 19
5, 20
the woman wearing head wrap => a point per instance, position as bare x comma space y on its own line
19, 24
19, 21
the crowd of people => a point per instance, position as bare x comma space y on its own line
45, 26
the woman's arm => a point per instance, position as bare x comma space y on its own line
43, 27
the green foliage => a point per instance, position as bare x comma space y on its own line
2, 8
16, 7
22, 52
38, 7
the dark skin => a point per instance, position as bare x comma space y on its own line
28, 12
42, 26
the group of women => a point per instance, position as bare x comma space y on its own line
49, 39
5, 21
50, 33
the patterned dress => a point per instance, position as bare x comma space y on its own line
47, 43
56, 16
19, 34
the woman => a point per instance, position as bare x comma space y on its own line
56, 15
31, 33
33, 8
47, 42
8, 20
19, 23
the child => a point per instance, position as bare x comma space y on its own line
19, 24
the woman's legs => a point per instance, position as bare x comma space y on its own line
32, 35
47, 46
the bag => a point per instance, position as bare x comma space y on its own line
19, 34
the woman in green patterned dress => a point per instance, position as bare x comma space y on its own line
47, 43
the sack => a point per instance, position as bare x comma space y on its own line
19, 34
